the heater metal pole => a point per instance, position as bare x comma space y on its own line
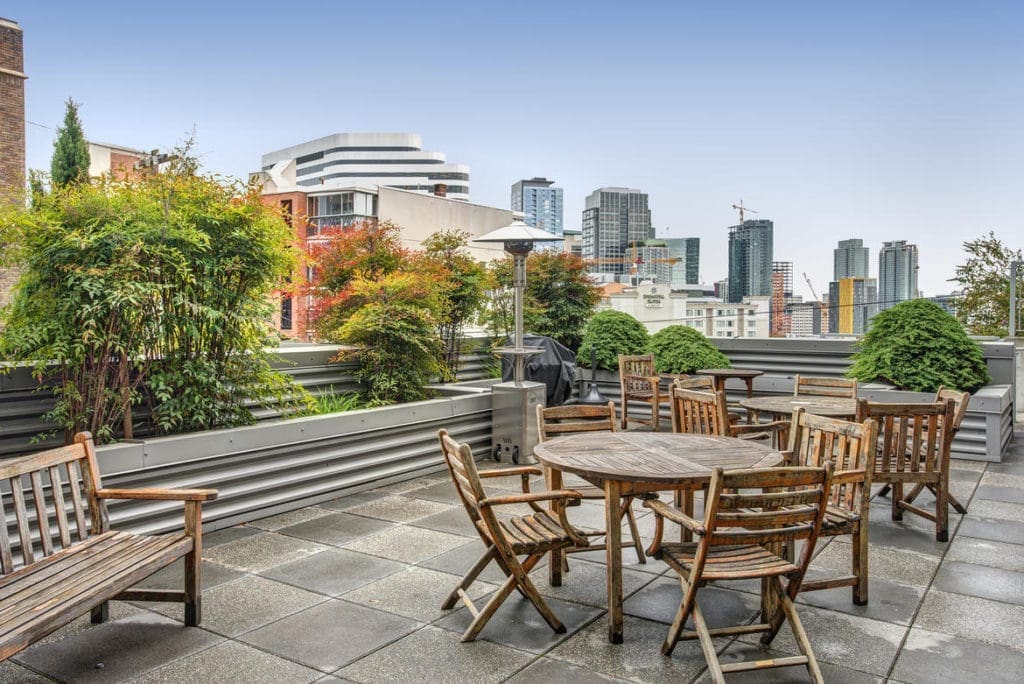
1014, 266
519, 285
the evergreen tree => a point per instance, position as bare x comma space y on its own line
70, 162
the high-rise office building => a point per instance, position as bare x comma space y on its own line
853, 302
685, 271
613, 218
540, 203
897, 273
396, 160
750, 259
652, 261
850, 260
782, 293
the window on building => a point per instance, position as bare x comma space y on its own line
286, 313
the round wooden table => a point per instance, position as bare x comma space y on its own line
625, 463
720, 375
832, 407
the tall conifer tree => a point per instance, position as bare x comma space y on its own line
70, 162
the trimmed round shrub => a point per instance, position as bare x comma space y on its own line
681, 349
917, 346
611, 334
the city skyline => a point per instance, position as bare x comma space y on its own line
847, 126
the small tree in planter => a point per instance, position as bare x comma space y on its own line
681, 349
611, 334
917, 346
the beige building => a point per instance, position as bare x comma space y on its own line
657, 307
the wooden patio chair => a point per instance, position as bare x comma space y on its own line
913, 448
706, 413
639, 382
825, 387
748, 514
960, 402
507, 538
702, 383
850, 447
565, 420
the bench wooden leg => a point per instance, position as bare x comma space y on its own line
100, 613
193, 564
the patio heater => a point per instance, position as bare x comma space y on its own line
514, 422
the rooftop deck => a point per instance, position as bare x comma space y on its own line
351, 589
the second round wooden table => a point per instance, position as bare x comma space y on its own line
624, 463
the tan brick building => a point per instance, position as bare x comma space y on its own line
12, 128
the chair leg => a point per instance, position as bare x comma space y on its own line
100, 613
798, 631
655, 415
707, 646
685, 606
488, 610
624, 412
897, 496
535, 598
634, 531
860, 562
884, 491
953, 501
470, 577
942, 510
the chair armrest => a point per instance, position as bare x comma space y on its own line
503, 472
672, 513
739, 429
153, 494
533, 497
788, 457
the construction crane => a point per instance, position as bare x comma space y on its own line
633, 262
808, 281
742, 209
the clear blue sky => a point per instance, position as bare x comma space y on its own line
880, 120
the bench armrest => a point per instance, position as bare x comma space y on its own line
154, 494
503, 472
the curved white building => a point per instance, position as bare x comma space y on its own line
396, 160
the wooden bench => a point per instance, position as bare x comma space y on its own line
81, 563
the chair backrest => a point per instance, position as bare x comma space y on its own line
700, 382
911, 437
48, 491
572, 418
462, 467
960, 401
825, 387
699, 413
850, 447
767, 506
637, 364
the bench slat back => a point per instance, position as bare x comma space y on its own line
45, 498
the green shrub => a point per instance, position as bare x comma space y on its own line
917, 346
681, 349
329, 402
611, 334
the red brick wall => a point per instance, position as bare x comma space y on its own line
122, 166
300, 307
12, 131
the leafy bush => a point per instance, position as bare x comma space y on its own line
611, 334
917, 346
681, 349
328, 402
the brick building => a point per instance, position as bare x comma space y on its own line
12, 128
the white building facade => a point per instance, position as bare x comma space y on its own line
657, 307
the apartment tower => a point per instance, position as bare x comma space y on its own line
751, 254
540, 203
613, 219
897, 273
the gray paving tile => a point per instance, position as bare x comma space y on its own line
964, 464
548, 671
173, 576
402, 509
236, 607
281, 520
980, 580
330, 635
888, 601
722, 607
117, 651
992, 528
343, 503
415, 483
228, 534
638, 658
517, 624
119, 611
997, 493
907, 537
972, 617
1003, 480
12, 673
230, 662
406, 544
336, 529
740, 651
997, 509
586, 583
842, 639
452, 520
415, 593
986, 552
436, 655
933, 656
261, 551
333, 572
459, 560
884, 563
443, 492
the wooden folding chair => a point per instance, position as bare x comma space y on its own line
825, 387
703, 383
506, 539
850, 447
565, 420
639, 382
747, 514
913, 448
706, 413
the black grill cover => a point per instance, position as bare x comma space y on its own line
556, 367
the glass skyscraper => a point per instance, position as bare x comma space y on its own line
850, 260
614, 218
540, 203
897, 273
686, 271
751, 250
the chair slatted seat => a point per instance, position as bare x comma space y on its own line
748, 514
